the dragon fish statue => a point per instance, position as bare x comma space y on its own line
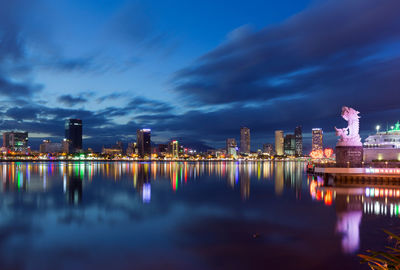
349, 136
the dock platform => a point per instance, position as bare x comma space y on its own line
359, 172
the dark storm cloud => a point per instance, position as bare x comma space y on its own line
9, 88
306, 54
13, 50
112, 96
59, 63
99, 127
24, 46
70, 100
28, 113
148, 105
45, 119
141, 106
12, 43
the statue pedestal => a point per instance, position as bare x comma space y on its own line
349, 156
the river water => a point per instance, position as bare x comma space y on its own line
187, 215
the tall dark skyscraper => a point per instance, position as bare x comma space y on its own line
245, 140
73, 133
299, 140
289, 144
143, 138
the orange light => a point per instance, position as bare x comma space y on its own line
316, 154
328, 198
328, 152
313, 188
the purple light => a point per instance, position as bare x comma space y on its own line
146, 193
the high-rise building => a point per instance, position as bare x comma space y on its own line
289, 145
317, 135
15, 141
174, 148
231, 147
299, 140
73, 133
279, 139
268, 148
245, 140
143, 137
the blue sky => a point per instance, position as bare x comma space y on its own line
196, 71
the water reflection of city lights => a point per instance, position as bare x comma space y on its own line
238, 174
146, 193
328, 198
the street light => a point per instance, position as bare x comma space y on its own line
377, 128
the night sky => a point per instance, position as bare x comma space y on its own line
197, 70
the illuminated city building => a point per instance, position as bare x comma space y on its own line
111, 151
317, 139
289, 145
15, 141
245, 140
231, 147
66, 146
120, 145
143, 137
73, 133
268, 148
117, 149
279, 140
299, 140
174, 148
49, 147
131, 149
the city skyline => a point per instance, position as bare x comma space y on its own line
211, 134
73, 142
127, 65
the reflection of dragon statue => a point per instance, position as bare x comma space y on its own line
349, 136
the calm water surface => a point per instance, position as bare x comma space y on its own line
178, 215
